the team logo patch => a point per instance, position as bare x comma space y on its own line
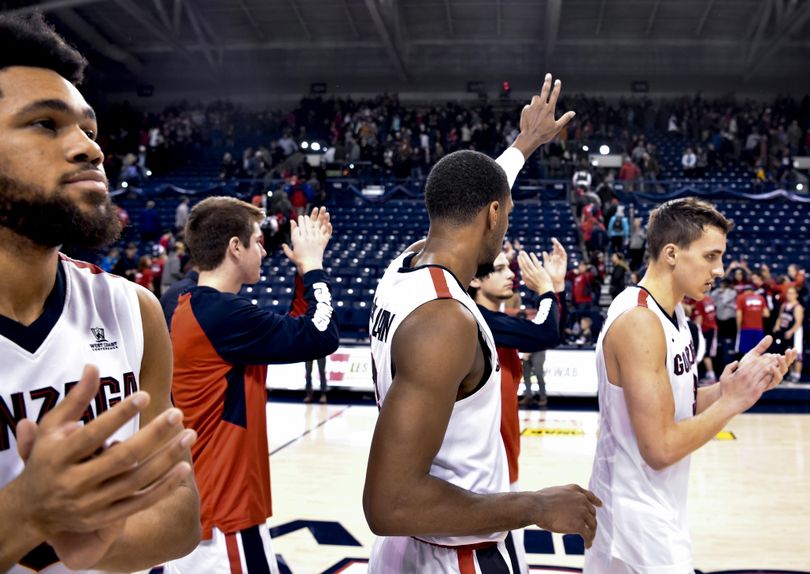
101, 342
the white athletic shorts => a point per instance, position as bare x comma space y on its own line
248, 551
601, 564
406, 555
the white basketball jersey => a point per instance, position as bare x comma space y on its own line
90, 317
643, 522
472, 455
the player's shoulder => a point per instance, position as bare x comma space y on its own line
437, 320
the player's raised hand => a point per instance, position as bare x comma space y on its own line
534, 275
538, 123
556, 263
320, 216
309, 237
568, 509
75, 491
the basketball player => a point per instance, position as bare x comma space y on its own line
73, 348
652, 416
791, 329
513, 334
437, 482
222, 344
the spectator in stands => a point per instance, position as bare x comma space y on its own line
618, 275
688, 163
150, 222
629, 173
618, 230
759, 288
738, 271
751, 310
592, 229
127, 266
109, 260
796, 278
144, 277
704, 315
228, 169
583, 280
158, 265
638, 240
287, 144
173, 268
181, 215
725, 300
790, 330
582, 178
168, 300
581, 334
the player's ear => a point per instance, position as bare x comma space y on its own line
670, 253
494, 212
234, 246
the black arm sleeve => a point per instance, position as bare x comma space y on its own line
527, 336
243, 333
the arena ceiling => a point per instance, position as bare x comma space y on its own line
282, 46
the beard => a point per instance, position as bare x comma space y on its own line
50, 220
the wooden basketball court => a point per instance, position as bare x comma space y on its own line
749, 498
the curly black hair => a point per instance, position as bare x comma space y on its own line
461, 184
30, 41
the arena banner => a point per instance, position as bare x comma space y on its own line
567, 372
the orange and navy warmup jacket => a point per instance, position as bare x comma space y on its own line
513, 334
222, 345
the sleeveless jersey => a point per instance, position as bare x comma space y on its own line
90, 317
787, 317
472, 454
643, 521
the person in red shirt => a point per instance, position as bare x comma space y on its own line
751, 310
145, 276
704, 314
629, 173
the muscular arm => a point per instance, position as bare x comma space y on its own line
635, 352
171, 528
400, 496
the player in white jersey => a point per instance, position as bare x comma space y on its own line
652, 414
94, 464
437, 487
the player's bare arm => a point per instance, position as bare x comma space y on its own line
438, 361
635, 358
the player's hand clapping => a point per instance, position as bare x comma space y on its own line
534, 275
556, 263
742, 383
75, 492
309, 237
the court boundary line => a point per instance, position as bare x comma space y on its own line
306, 432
